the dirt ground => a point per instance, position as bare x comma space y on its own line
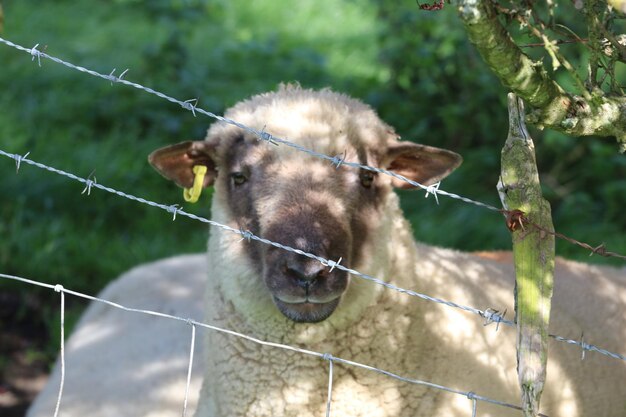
23, 369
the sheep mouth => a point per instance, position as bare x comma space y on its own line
306, 311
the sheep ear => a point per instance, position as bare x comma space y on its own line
176, 162
420, 163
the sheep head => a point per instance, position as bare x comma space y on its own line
290, 197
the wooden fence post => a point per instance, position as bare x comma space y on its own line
533, 250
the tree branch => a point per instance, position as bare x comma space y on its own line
553, 107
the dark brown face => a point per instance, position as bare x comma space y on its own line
304, 203
300, 201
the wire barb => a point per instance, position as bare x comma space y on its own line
267, 137
88, 186
332, 264
338, 160
36, 54
493, 316
115, 79
600, 250
433, 189
18, 161
584, 346
174, 209
89, 183
246, 235
191, 105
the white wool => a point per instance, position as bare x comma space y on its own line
126, 364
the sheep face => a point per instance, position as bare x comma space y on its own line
287, 196
270, 194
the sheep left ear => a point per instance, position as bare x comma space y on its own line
426, 165
176, 162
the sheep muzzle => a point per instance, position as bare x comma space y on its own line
304, 289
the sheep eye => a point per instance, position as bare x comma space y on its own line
367, 178
238, 178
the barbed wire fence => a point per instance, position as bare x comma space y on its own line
337, 160
325, 356
490, 315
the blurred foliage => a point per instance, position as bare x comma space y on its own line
578, 33
218, 52
417, 68
440, 92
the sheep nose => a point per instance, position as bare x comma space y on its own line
305, 273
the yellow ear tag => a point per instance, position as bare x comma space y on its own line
192, 194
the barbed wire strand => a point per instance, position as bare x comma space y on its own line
599, 250
489, 314
266, 136
516, 219
191, 105
175, 210
261, 134
35, 53
189, 368
324, 356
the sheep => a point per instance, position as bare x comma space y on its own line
124, 364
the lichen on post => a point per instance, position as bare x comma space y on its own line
533, 250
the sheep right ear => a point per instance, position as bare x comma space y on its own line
176, 162
424, 164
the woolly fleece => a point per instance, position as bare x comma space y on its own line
125, 364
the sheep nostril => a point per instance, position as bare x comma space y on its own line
304, 274
322, 273
300, 277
